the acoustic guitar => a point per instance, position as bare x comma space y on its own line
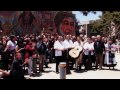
74, 53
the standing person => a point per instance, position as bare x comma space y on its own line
48, 51
16, 71
104, 54
10, 48
41, 47
68, 45
34, 56
93, 58
88, 50
99, 49
110, 54
59, 48
30, 48
79, 43
51, 46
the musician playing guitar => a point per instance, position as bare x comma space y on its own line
78, 43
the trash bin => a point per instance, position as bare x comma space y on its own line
62, 66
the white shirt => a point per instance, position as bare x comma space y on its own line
68, 44
107, 47
58, 45
93, 43
76, 43
88, 46
11, 45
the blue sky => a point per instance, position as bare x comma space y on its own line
80, 17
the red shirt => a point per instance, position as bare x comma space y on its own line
30, 51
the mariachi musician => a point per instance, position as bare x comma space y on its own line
58, 47
78, 43
88, 50
68, 45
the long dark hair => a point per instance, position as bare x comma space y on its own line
22, 17
61, 15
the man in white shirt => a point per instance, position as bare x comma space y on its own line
78, 43
10, 48
58, 46
88, 50
93, 56
68, 45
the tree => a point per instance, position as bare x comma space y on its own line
105, 25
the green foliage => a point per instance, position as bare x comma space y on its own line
103, 25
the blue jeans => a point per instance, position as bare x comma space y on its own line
30, 65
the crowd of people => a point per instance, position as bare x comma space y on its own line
16, 52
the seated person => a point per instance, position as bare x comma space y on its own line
16, 71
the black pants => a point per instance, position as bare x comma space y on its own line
93, 58
103, 59
87, 62
5, 60
58, 60
72, 60
67, 59
52, 55
35, 65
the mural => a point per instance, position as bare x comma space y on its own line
6, 21
65, 23
27, 22
45, 19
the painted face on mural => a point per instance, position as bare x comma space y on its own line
67, 26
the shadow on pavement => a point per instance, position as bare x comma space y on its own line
112, 69
48, 71
38, 74
81, 71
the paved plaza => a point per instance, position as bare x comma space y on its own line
91, 74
